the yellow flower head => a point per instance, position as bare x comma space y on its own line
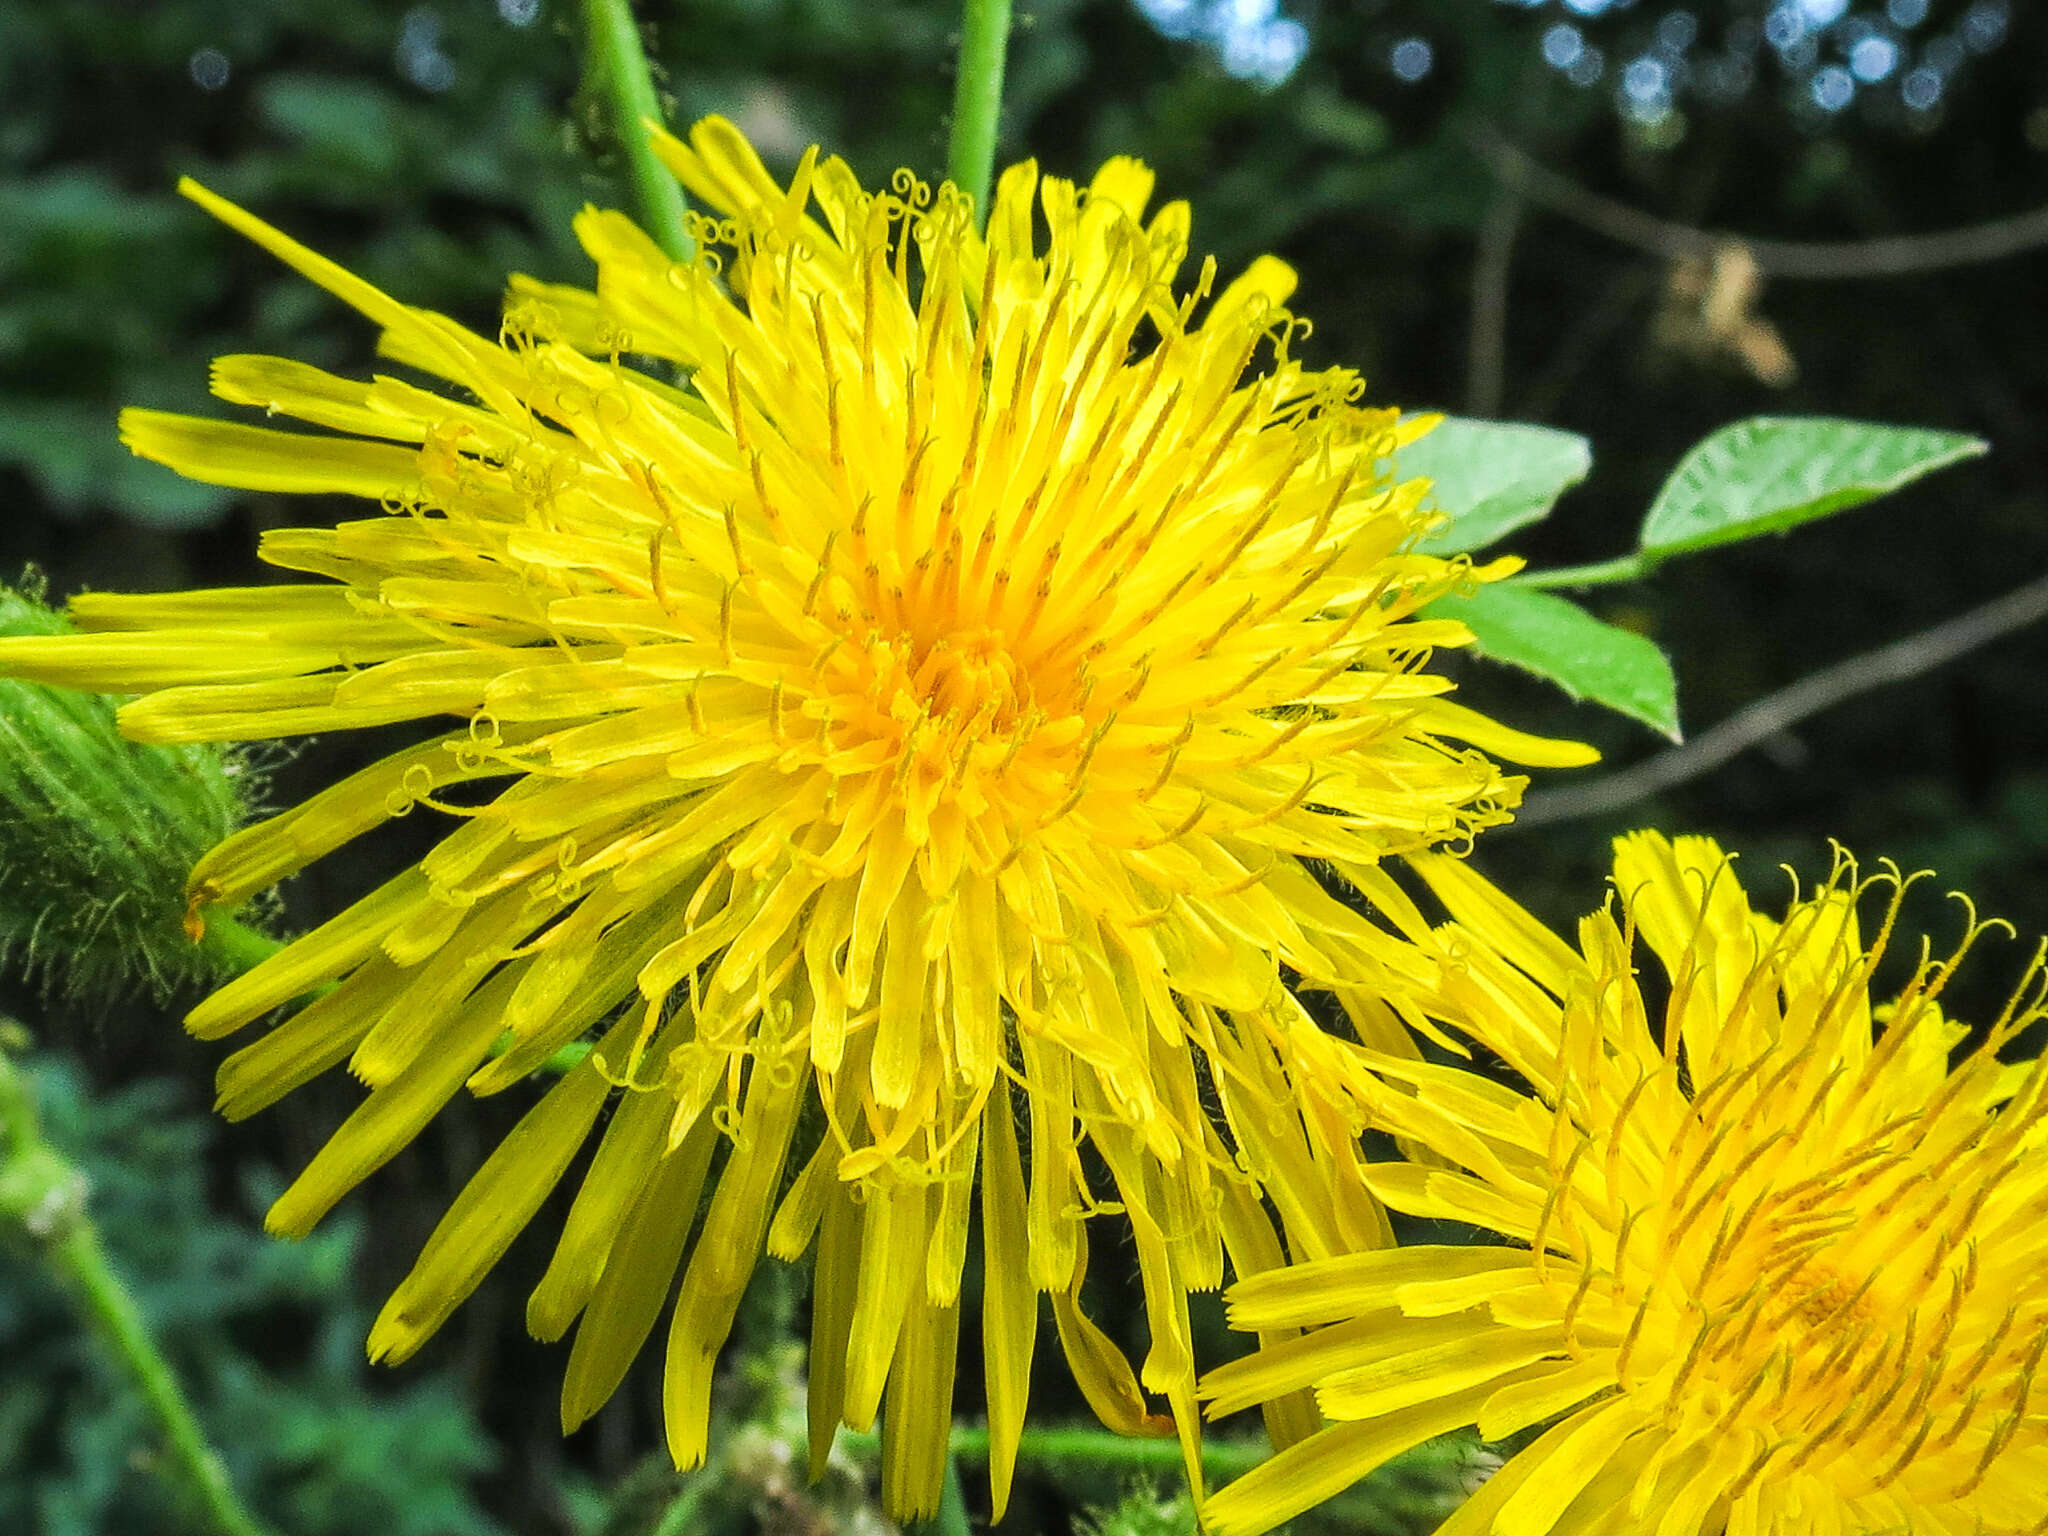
1776, 1265
900, 739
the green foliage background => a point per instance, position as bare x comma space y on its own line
435, 147
266, 1337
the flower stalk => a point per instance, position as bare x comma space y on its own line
978, 99
233, 947
1070, 1448
42, 1199
616, 72
1603, 573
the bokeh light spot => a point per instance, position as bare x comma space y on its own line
209, 69
1411, 59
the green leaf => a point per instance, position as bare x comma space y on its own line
351, 125
1559, 640
1329, 117
1772, 473
1492, 477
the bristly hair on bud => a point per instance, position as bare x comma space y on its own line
97, 833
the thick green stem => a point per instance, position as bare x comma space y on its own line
1083, 1446
1603, 574
42, 1198
615, 71
108, 1307
978, 99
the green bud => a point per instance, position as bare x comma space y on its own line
97, 834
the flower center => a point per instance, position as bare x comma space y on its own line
970, 676
1822, 1304
941, 713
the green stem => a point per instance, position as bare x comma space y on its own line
978, 99
235, 947
1604, 573
80, 1260
42, 1196
951, 1520
682, 1516
567, 1059
1088, 1447
615, 69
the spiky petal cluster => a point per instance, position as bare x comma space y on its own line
920, 714
1776, 1266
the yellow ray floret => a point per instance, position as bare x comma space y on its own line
1775, 1260
892, 719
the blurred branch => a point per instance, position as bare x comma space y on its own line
1888, 664
978, 99
42, 1198
615, 70
1486, 342
1592, 330
1893, 256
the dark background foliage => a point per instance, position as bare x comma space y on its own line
435, 147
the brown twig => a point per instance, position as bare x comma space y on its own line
1487, 342
1888, 664
1894, 256
1595, 327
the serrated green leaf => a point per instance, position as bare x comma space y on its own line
1772, 473
1492, 477
1556, 639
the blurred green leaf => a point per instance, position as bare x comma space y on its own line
1772, 473
1330, 118
50, 223
74, 455
1556, 639
1492, 477
351, 123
